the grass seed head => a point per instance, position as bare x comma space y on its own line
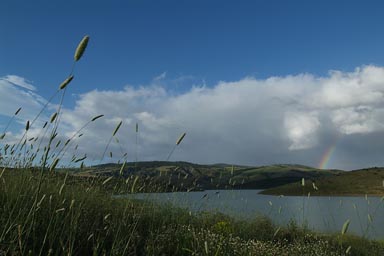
53, 166
108, 179
2, 172
81, 48
117, 128
17, 111
180, 139
53, 117
348, 250
60, 210
65, 82
81, 159
122, 168
134, 184
96, 117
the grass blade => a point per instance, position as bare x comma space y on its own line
345, 227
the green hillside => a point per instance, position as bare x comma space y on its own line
359, 182
188, 176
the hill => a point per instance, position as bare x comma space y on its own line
189, 176
359, 182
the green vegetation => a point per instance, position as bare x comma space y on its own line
359, 182
76, 216
183, 176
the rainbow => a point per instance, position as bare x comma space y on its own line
326, 157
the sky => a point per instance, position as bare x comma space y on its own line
250, 82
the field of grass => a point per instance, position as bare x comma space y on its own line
77, 216
360, 182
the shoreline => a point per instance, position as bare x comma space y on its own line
325, 195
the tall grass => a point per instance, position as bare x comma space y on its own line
77, 216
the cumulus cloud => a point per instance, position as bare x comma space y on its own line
290, 119
301, 129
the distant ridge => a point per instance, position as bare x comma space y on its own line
186, 176
368, 181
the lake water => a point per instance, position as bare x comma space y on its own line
323, 214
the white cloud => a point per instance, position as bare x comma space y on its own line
250, 121
360, 119
19, 81
364, 86
301, 129
15, 92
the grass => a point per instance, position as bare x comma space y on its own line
81, 218
45, 210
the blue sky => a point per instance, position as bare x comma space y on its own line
134, 41
166, 50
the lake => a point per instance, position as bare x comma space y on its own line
321, 213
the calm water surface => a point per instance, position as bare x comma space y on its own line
324, 214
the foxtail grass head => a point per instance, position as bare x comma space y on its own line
117, 128
54, 164
17, 111
81, 48
180, 138
65, 82
177, 143
96, 117
53, 117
